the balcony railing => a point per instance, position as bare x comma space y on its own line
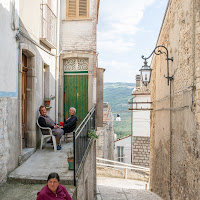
82, 142
48, 26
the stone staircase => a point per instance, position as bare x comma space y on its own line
40, 164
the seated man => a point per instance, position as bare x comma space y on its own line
45, 121
70, 123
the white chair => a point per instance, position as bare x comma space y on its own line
46, 136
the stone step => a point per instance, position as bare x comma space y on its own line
13, 178
39, 165
19, 191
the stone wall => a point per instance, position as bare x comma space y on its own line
175, 139
9, 140
105, 141
86, 184
141, 151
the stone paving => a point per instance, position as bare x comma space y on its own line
19, 191
37, 168
121, 189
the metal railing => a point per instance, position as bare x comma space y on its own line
48, 24
122, 165
81, 141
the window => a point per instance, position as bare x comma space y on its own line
77, 9
120, 153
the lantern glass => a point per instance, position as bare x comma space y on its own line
146, 74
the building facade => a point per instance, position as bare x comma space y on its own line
51, 54
28, 75
175, 133
105, 142
123, 149
140, 124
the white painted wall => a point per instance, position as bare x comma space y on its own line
8, 50
141, 118
126, 143
9, 140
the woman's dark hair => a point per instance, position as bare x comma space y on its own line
53, 175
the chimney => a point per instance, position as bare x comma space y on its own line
138, 81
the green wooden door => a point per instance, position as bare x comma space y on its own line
76, 95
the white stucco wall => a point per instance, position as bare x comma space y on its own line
141, 118
9, 140
126, 143
8, 50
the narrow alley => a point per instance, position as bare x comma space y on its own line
121, 189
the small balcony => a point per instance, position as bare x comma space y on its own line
48, 26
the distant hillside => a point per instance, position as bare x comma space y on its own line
117, 95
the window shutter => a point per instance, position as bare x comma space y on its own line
83, 8
72, 8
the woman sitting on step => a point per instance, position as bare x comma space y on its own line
53, 190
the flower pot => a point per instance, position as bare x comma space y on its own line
71, 163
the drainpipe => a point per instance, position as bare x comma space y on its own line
132, 132
15, 27
57, 59
170, 169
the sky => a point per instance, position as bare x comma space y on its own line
127, 29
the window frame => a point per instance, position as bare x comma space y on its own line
120, 153
77, 10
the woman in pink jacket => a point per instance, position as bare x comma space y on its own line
53, 190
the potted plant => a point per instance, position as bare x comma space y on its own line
92, 134
47, 101
70, 159
71, 162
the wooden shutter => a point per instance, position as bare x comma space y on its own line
72, 8
77, 8
83, 8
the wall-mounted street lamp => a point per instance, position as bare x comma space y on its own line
146, 70
146, 75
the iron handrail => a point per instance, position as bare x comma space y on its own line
81, 141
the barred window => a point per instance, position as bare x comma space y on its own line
77, 9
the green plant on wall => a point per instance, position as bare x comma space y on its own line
92, 134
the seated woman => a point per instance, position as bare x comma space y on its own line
70, 123
45, 121
53, 190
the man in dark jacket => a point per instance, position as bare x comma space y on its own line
70, 123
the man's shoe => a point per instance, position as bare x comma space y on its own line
58, 147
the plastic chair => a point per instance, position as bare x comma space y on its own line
46, 136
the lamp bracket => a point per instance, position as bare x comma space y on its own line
158, 51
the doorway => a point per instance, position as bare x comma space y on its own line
24, 99
76, 95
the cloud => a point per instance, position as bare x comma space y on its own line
119, 21
124, 29
118, 46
